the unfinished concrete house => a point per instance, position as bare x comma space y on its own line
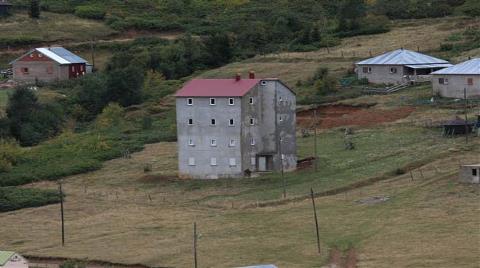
48, 64
398, 67
235, 127
470, 173
455, 81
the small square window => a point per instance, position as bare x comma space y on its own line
231, 122
441, 81
190, 142
213, 142
250, 100
393, 70
190, 121
232, 143
252, 141
40, 55
25, 70
189, 101
446, 81
213, 161
470, 81
31, 55
191, 161
252, 121
213, 122
232, 162
231, 101
474, 172
212, 101
369, 69
280, 118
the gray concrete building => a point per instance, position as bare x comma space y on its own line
470, 173
235, 127
48, 64
452, 82
398, 67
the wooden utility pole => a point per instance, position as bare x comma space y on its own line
315, 161
466, 114
195, 244
316, 219
61, 211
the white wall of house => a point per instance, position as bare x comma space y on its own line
381, 74
16, 261
452, 85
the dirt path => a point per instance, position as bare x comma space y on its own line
331, 116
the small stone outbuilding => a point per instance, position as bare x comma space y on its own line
455, 81
399, 66
10, 259
470, 173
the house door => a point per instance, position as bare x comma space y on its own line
262, 163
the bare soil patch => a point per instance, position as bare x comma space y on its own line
333, 116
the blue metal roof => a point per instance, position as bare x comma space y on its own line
402, 57
468, 67
67, 55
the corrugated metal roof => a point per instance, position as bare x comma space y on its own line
402, 57
61, 55
217, 87
430, 66
468, 67
5, 257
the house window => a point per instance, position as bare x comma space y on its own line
213, 142
232, 143
252, 141
393, 70
189, 101
213, 161
280, 118
474, 172
253, 161
232, 162
190, 121
470, 81
443, 81
367, 69
252, 121
231, 101
250, 100
191, 161
25, 70
212, 101
231, 122
190, 142
81, 68
213, 122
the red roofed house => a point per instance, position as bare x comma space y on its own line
48, 64
235, 127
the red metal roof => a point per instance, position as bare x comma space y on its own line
217, 87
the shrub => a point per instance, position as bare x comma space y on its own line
13, 198
471, 8
111, 116
326, 86
90, 12
73, 264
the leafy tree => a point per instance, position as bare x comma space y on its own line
124, 86
35, 9
90, 96
471, 8
219, 49
349, 13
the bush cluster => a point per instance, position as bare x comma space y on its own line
90, 12
13, 198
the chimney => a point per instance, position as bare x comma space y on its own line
238, 77
251, 75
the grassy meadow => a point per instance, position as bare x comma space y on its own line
430, 221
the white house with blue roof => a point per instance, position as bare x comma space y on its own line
455, 81
399, 66
47, 64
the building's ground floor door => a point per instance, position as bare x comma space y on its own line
265, 162
476, 175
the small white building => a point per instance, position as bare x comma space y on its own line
399, 66
453, 81
10, 259
470, 173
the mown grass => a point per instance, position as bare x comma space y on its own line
51, 27
13, 198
